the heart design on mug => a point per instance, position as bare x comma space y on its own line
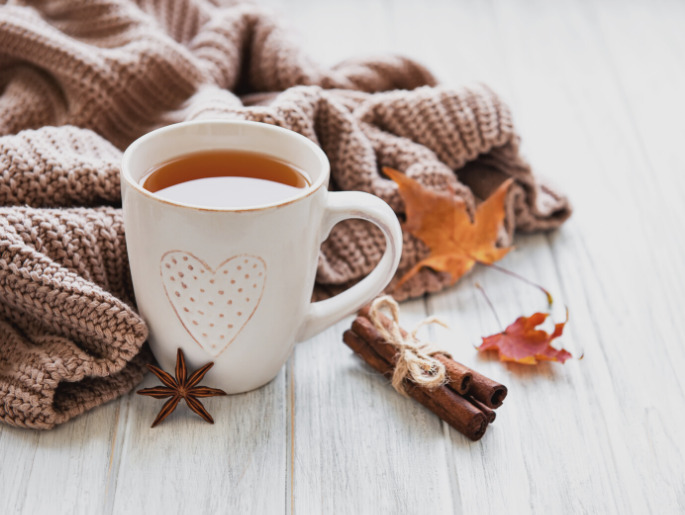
214, 305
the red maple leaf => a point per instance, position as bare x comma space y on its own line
521, 342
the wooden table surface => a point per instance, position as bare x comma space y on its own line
597, 90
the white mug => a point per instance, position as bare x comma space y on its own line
250, 272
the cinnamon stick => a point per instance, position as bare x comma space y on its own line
372, 358
489, 413
445, 403
364, 328
458, 375
489, 392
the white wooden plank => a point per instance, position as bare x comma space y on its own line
602, 266
650, 77
457, 41
185, 465
18, 451
59, 471
542, 49
359, 446
547, 450
652, 89
334, 31
516, 471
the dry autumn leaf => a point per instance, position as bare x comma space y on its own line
523, 343
442, 222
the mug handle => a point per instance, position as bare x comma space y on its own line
341, 206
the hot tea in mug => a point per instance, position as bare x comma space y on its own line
225, 179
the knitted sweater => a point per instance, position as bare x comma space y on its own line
81, 80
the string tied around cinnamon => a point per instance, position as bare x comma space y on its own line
415, 359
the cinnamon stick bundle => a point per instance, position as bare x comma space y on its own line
466, 401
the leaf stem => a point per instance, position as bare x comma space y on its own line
550, 299
492, 308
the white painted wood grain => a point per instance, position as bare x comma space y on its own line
359, 446
63, 471
237, 465
596, 91
616, 272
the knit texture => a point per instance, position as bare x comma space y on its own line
80, 80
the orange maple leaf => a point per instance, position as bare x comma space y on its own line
523, 343
442, 222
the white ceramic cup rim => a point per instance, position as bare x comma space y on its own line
296, 138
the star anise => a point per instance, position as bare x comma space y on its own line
182, 387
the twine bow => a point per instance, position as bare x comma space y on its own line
414, 359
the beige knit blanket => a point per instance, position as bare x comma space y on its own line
80, 80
